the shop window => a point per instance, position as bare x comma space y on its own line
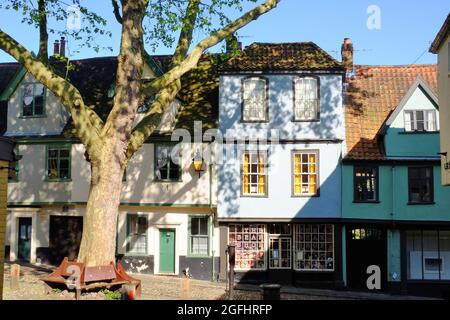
249, 240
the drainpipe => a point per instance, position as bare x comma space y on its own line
212, 224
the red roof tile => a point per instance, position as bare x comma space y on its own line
371, 96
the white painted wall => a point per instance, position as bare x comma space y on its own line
140, 186
418, 101
53, 123
281, 108
279, 202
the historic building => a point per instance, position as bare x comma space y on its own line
396, 212
166, 219
279, 198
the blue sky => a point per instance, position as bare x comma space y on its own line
407, 28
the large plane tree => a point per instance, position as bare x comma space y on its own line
110, 144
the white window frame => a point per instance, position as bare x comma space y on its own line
33, 102
251, 110
294, 247
411, 123
305, 99
308, 174
256, 153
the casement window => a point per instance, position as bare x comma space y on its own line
306, 99
167, 163
365, 183
421, 120
198, 235
420, 185
58, 162
33, 100
254, 99
314, 247
249, 240
137, 226
280, 246
305, 173
428, 254
13, 172
254, 173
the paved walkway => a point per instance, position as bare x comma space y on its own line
174, 288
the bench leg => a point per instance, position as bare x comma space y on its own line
77, 293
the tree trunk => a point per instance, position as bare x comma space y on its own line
98, 243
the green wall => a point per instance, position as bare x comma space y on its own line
400, 144
393, 197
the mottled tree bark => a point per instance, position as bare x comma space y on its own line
100, 222
43, 35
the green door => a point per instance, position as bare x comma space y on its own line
167, 250
24, 247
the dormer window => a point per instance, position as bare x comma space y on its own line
33, 100
254, 99
306, 99
420, 120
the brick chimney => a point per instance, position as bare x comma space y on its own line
56, 47
347, 54
62, 49
232, 43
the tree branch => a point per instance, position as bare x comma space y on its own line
116, 11
43, 35
169, 84
86, 121
165, 97
192, 59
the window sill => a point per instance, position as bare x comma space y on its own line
367, 202
167, 181
198, 256
420, 203
131, 254
419, 132
305, 196
314, 120
58, 180
31, 117
253, 121
254, 196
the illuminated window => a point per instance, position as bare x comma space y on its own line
254, 175
305, 173
365, 183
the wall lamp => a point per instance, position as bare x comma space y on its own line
198, 163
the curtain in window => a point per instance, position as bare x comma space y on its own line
312, 173
254, 99
297, 175
262, 176
246, 178
306, 99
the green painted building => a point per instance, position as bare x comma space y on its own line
396, 214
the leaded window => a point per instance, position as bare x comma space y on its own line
254, 99
306, 99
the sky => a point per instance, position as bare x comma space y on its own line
384, 32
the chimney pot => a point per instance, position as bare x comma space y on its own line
62, 49
347, 54
56, 47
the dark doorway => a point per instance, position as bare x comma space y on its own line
65, 237
366, 246
24, 247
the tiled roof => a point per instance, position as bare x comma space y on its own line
281, 57
7, 72
371, 96
95, 78
441, 36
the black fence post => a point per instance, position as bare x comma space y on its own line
231, 260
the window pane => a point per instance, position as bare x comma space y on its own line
421, 184
250, 245
39, 105
195, 226
254, 99
199, 245
52, 169
306, 103
204, 226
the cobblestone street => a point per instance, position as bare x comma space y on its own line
171, 288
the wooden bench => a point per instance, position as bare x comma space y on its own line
73, 275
